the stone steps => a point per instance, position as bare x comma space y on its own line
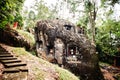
6, 55
11, 61
8, 58
14, 70
14, 64
4, 52
10, 70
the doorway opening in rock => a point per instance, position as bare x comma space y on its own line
50, 49
39, 45
72, 53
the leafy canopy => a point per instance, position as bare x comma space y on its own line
9, 11
108, 36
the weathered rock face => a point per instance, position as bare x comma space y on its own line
85, 63
12, 37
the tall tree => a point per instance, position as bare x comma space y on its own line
38, 11
43, 12
91, 11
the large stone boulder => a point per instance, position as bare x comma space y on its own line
13, 38
86, 65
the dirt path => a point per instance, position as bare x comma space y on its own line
110, 72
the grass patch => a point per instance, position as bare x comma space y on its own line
103, 64
65, 74
39, 74
32, 52
28, 36
19, 51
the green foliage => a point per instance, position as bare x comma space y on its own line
43, 11
19, 19
83, 21
8, 10
19, 51
88, 6
31, 15
107, 38
109, 2
30, 19
65, 74
73, 5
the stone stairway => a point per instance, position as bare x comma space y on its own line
11, 64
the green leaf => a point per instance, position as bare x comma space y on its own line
3, 23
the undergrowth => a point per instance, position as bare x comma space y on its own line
28, 36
